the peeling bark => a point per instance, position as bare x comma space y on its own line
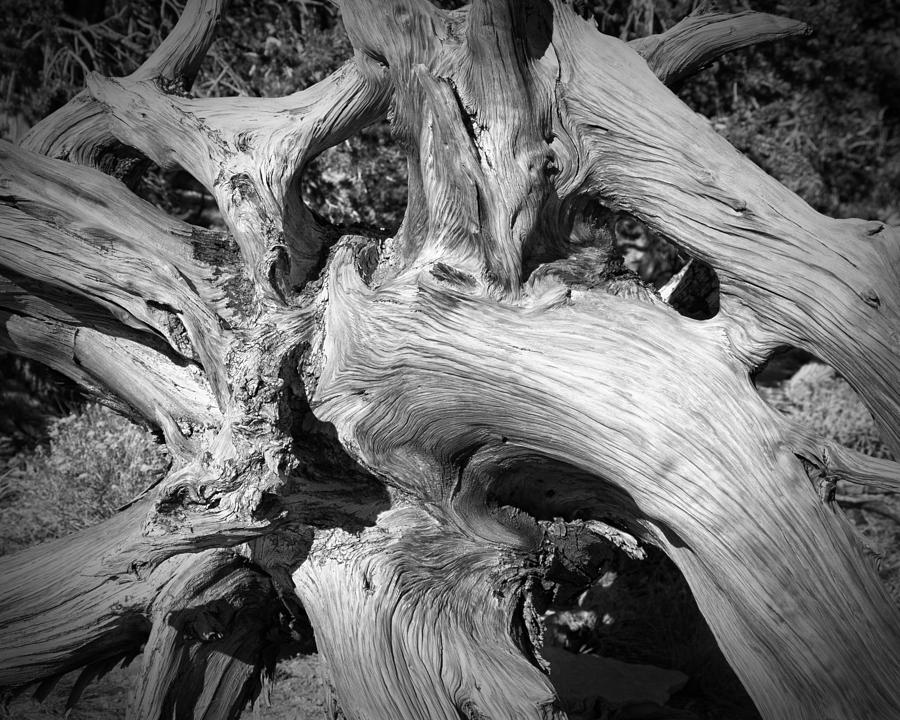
417, 441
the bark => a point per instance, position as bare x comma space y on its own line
418, 441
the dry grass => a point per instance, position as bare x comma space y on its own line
93, 462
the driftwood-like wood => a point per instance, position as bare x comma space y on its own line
77, 131
703, 36
413, 442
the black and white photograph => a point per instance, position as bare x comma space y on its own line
449, 360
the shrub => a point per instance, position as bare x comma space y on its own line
818, 398
94, 462
820, 114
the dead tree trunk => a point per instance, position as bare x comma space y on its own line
396, 436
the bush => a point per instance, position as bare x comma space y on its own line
94, 462
816, 397
821, 114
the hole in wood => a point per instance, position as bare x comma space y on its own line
687, 284
360, 183
181, 195
814, 395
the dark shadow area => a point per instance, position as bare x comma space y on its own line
181, 195
781, 365
644, 252
686, 283
635, 611
347, 495
643, 612
693, 291
31, 394
246, 623
588, 243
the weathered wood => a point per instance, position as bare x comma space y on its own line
77, 229
249, 153
788, 275
704, 35
73, 602
215, 629
423, 616
420, 445
77, 131
710, 492
127, 375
